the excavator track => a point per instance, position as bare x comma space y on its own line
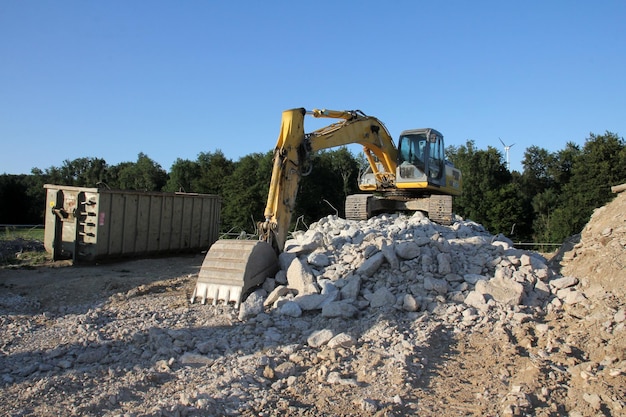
364, 206
440, 209
357, 207
231, 268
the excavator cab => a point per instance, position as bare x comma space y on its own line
420, 158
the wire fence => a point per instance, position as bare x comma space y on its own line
538, 247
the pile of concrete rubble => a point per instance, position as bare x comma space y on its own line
341, 267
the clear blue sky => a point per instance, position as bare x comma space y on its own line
111, 79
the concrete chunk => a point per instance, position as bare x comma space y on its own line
371, 265
502, 290
300, 278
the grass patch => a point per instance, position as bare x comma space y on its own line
9, 233
22, 246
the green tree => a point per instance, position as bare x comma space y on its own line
564, 163
484, 173
36, 195
539, 168
346, 166
143, 175
245, 193
80, 172
214, 168
183, 176
323, 192
508, 212
600, 165
13, 193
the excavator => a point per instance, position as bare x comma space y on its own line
412, 176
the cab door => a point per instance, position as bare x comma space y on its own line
436, 157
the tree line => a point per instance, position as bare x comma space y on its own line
550, 200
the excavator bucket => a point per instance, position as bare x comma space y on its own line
232, 267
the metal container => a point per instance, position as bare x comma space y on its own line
90, 224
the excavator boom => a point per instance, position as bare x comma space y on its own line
294, 149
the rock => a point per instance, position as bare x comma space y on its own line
279, 291
382, 297
409, 303
285, 369
310, 241
300, 278
563, 282
503, 241
453, 278
390, 255
252, 305
328, 288
473, 278
64, 364
310, 302
422, 240
319, 338
343, 340
502, 290
318, 259
339, 309
284, 260
272, 334
541, 289
368, 405
91, 356
532, 261
444, 261
352, 288
571, 296
476, 300
291, 309
440, 286
371, 265
407, 250
194, 359
593, 400
335, 378
281, 277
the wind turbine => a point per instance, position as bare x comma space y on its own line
506, 151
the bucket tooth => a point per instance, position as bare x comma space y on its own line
231, 268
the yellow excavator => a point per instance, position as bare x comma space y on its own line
414, 176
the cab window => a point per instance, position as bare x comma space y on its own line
412, 149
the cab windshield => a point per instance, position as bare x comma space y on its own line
413, 149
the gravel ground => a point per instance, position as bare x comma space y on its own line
122, 339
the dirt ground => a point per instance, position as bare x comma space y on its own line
570, 362
60, 284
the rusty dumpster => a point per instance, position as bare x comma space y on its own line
91, 224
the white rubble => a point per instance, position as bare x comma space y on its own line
399, 261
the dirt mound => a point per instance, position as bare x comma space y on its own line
598, 259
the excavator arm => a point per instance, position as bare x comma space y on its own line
294, 148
